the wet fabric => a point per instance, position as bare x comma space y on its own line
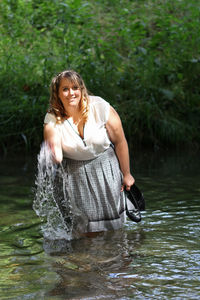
93, 187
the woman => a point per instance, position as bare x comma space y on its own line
85, 134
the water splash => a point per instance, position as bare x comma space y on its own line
52, 203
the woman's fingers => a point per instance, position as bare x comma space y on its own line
128, 181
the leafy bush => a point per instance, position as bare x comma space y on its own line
142, 56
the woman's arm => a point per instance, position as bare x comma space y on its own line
117, 137
53, 139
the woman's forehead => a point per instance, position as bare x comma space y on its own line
68, 82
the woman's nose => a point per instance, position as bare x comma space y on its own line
71, 91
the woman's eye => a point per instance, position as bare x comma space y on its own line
65, 89
75, 88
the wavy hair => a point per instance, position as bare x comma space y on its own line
55, 104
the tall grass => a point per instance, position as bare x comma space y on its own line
142, 56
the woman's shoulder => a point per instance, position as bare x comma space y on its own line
49, 117
100, 107
97, 101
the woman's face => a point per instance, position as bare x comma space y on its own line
69, 94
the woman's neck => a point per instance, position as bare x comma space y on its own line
73, 113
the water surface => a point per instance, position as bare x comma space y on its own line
158, 258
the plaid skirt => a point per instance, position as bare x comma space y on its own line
93, 190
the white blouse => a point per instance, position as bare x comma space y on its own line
95, 139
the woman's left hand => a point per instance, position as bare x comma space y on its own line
128, 181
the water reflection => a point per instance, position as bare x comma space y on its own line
156, 259
90, 269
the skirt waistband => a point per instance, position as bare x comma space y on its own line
108, 152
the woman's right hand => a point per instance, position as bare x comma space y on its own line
53, 140
56, 153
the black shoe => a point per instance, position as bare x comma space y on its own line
137, 200
134, 215
136, 197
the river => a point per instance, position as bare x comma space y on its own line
158, 258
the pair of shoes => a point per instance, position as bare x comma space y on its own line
136, 198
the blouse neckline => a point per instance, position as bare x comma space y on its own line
73, 126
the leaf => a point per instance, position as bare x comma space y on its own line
167, 93
143, 50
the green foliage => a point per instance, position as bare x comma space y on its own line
142, 56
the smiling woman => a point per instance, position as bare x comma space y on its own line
69, 94
86, 137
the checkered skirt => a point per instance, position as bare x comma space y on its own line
94, 189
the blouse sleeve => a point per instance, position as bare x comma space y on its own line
50, 119
102, 109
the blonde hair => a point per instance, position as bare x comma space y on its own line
55, 104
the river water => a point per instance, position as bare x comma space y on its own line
158, 258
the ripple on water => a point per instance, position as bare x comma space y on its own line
156, 259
